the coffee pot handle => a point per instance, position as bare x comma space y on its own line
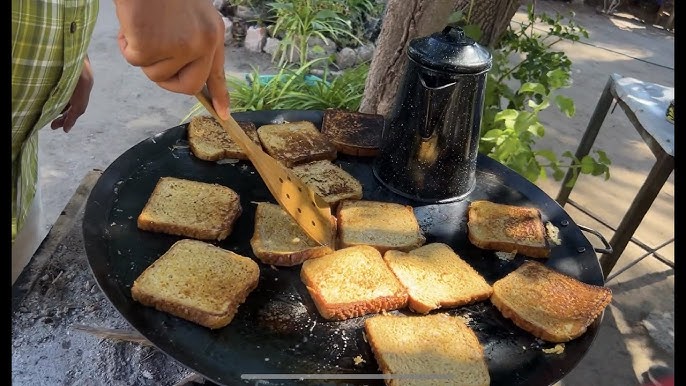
432, 104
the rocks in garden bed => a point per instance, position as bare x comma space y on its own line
271, 45
238, 30
326, 48
255, 38
365, 52
346, 58
228, 31
372, 28
246, 13
218, 4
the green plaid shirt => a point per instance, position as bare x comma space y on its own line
49, 42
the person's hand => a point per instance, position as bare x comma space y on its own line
179, 44
78, 101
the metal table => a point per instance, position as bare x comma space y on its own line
645, 104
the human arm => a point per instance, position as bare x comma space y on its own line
179, 44
79, 99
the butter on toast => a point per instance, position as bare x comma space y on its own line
352, 282
436, 277
329, 181
198, 282
210, 142
295, 143
188, 208
548, 304
279, 240
413, 348
507, 228
353, 133
382, 225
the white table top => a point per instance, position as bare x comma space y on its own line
649, 102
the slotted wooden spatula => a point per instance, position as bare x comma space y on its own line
309, 210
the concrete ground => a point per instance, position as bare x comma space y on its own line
637, 330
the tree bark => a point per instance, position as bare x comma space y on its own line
404, 20
407, 19
492, 17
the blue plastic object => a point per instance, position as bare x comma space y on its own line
264, 79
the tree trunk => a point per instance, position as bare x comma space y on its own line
492, 17
404, 20
407, 19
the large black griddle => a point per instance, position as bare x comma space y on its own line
278, 329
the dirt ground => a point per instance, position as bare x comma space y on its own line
637, 329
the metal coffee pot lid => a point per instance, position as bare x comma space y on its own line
450, 51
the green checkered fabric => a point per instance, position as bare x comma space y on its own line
49, 43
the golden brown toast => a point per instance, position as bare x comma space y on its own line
383, 225
427, 350
352, 282
353, 133
295, 143
550, 305
190, 208
436, 277
507, 228
210, 142
278, 240
197, 281
329, 181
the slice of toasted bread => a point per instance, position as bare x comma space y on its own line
329, 181
197, 281
550, 305
353, 133
295, 143
279, 240
382, 225
352, 282
435, 276
190, 208
427, 350
507, 228
210, 142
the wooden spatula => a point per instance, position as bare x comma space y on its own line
309, 210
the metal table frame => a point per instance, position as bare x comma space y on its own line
660, 142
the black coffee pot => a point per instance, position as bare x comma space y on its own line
430, 142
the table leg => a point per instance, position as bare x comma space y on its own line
639, 207
588, 139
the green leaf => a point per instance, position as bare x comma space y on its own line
566, 105
455, 17
524, 120
535, 88
492, 134
547, 154
602, 157
539, 106
508, 114
558, 78
587, 164
568, 154
326, 14
598, 169
537, 129
558, 175
473, 31
542, 174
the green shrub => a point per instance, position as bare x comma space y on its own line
289, 89
296, 21
517, 90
